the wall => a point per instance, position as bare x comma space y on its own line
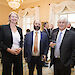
43, 5
44, 8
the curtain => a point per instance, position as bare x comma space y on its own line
56, 9
28, 12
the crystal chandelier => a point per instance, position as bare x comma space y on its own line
14, 4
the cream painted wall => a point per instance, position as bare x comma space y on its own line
45, 7
44, 10
4, 12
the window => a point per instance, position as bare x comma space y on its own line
27, 23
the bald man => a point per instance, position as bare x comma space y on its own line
33, 53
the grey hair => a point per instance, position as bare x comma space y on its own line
63, 18
69, 23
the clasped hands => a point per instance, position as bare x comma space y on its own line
15, 51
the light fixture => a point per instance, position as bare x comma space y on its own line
14, 4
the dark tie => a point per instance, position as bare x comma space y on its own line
36, 43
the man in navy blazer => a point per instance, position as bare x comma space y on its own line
29, 55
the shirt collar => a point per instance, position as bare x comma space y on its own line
68, 28
37, 31
62, 31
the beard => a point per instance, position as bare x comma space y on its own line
36, 27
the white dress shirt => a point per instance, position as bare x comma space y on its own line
16, 40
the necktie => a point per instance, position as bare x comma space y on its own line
59, 38
36, 43
58, 43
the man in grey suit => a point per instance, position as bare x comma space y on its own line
35, 48
62, 51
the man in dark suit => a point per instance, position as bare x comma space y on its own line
63, 50
48, 30
33, 52
69, 27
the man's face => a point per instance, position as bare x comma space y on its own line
47, 26
62, 24
51, 26
37, 25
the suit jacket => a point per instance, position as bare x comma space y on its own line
73, 29
49, 33
7, 40
28, 43
56, 29
67, 48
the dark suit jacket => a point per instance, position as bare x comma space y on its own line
7, 40
67, 48
73, 29
49, 33
28, 43
56, 29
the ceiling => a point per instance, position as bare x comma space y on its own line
4, 2
25, 2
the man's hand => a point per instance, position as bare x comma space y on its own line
26, 59
44, 57
52, 44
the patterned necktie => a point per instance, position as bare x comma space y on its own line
59, 38
58, 43
36, 43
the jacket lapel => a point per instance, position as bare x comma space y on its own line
55, 35
63, 38
31, 40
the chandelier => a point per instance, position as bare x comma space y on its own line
14, 4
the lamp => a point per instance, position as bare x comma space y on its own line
14, 4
